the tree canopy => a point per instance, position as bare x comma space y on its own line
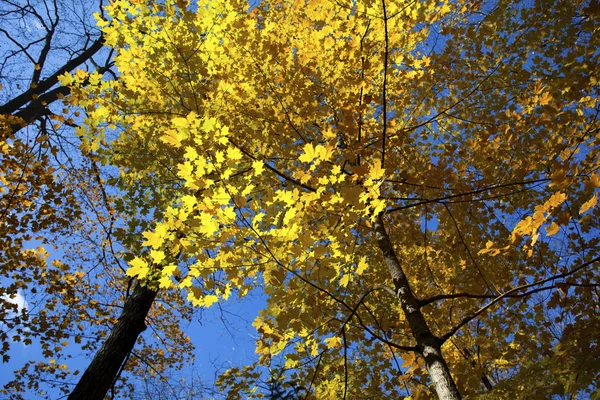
62, 281
412, 185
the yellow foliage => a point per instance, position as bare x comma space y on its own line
289, 143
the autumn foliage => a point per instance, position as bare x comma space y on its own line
412, 185
62, 281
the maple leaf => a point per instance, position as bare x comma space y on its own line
362, 266
157, 256
258, 167
66, 79
333, 342
591, 203
139, 268
165, 282
310, 153
552, 229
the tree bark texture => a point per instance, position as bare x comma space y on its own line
102, 371
428, 344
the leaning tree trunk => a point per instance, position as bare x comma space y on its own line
102, 371
428, 344
32, 104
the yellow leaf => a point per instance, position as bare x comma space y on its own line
189, 201
333, 342
445, 9
209, 225
324, 153
180, 122
81, 75
376, 172
309, 154
185, 171
210, 124
233, 153
552, 229
157, 256
344, 280
100, 21
362, 266
595, 179
229, 214
156, 238
186, 282
209, 300
219, 156
289, 363
171, 137
94, 78
165, 282
257, 219
591, 203
139, 268
522, 228
557, 199
545, 99
66, 79
258, 167
289, 215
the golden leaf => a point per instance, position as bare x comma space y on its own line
552, 229
591, 203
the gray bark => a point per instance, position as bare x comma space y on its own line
428, 344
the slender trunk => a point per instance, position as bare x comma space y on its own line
428, 344
102, 371
484, 379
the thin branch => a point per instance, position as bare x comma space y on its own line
13, 105
314, 375
269, 167
510, 293
384, 91
462, 239
345, 363
476, 191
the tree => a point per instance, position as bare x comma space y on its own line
412, 184
61, 235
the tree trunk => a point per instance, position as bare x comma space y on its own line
102, 371
428, 344
13, 105
34, 102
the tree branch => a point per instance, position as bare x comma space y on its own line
508, 294
12, 106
